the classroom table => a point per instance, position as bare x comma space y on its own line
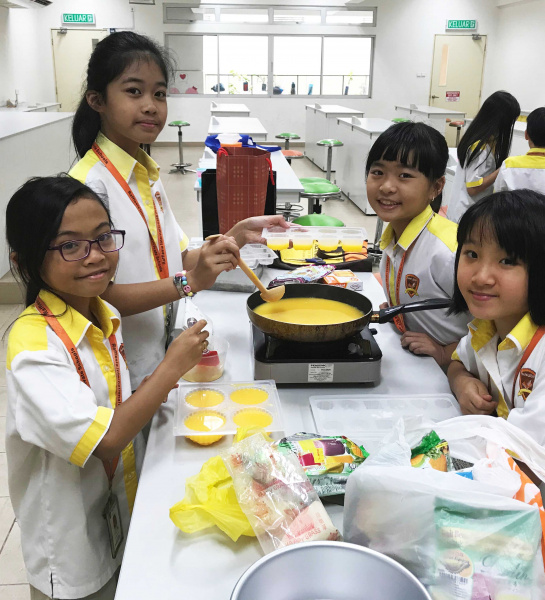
242, 125
320, 124
288, 185
229, 110
432, 115
358, 135
162, 562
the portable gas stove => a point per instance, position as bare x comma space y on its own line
352, 360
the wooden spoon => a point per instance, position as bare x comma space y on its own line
272, 295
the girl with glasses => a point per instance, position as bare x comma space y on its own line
73, 428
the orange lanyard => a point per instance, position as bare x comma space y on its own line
159, 248
398, 319
535, 154
41, 306
529, 349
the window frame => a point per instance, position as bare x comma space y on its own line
270, 59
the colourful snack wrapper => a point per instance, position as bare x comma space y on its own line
432, 453
306, 274
326, 460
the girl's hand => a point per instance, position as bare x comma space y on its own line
249, 230
423, 344
215, 256
474, 398
186, 350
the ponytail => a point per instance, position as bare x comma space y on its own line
109, 59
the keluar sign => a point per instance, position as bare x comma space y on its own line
457, 24
78, 19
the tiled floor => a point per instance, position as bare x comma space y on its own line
13, 584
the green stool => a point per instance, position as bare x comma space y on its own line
181, 166
289, 154
401, 120
316, 189
315, 220
330, 144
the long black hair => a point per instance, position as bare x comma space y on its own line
516, 221
415, 145
33, 218
109, 59
492, 126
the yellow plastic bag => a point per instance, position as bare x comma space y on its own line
210, 499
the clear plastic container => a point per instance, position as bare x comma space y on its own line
217, 409
352, 240
367, 419
211, 365
302, 240
328, 238
278, 241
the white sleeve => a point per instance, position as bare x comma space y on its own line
530, 417
500, 184
55, 410
482, 165
465, 354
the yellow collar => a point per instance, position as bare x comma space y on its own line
74, 323
124, 162
412, 231
520, 336
536, 149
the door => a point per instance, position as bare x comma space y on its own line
457, 74
71, 51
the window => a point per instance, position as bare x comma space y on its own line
296, 62
351, 17
243, 64
297, 16
346, 66
244, 15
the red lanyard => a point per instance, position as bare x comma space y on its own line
41, 306
529, 349
159, 248
398, 320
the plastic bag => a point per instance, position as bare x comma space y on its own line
468, 539
210, 499
191, 314
276, 496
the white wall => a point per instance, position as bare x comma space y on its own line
515, 63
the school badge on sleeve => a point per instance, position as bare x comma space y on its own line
526, 382
411, 285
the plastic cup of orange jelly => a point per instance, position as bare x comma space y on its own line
278, 240
328, 239
302, 240
352, 240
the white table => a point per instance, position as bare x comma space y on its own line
229, 110
358, 135
242, 125
162, 562
33, 107
23, 137
436, 117
320, 124
288, 185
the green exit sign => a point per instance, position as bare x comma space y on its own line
462, 24
78, 19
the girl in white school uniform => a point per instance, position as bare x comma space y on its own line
481, 151
405, 172
499, 366
124, 106
73, 441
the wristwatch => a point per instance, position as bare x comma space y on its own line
180, 281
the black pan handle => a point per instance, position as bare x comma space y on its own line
385, 315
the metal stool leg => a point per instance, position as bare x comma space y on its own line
458, 129
181, 166
376, 253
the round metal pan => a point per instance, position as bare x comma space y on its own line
327, 333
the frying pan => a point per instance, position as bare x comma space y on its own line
328, 333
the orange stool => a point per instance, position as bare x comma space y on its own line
458, 125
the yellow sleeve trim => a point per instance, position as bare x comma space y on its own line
444, 230
455, 356
28, 333
91, 437
184, 243
472, 184
80, 170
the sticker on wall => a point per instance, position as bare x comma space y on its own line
452, 96
187, 82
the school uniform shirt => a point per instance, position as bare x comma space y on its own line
470, 176
523, 172
495, 365
54, 423
429, 247
145, 333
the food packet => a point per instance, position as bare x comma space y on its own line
273, 491
306, 274
432, 453
484, 553
326, 460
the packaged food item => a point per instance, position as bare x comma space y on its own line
345, 279
485, 553
432, 453
273, 491
326, 460
306, 274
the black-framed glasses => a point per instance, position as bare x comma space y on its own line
73, 250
